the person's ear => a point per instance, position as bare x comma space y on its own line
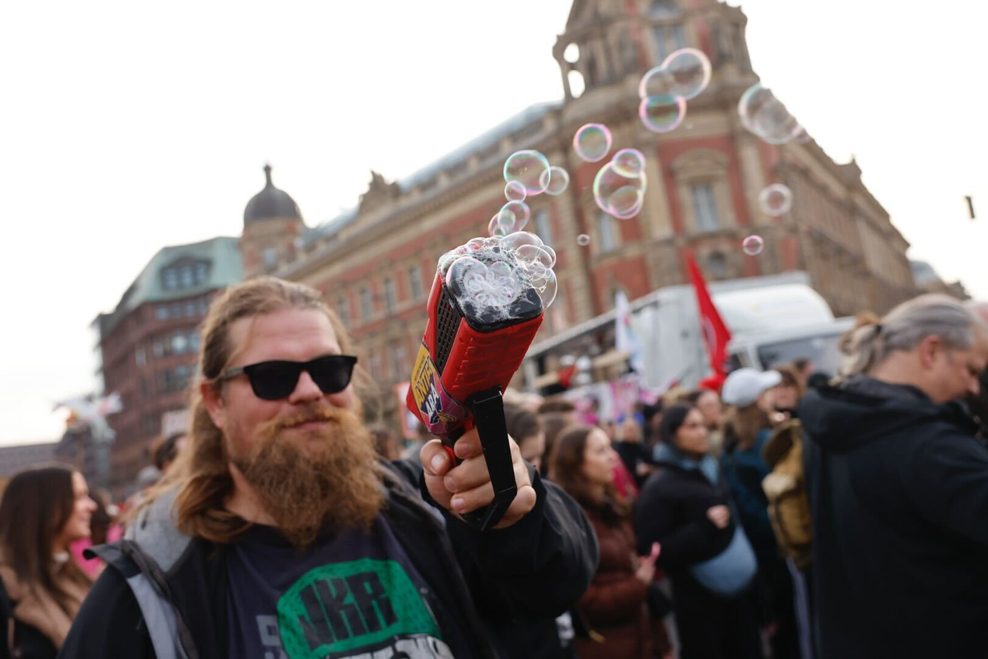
928, 350
212, 398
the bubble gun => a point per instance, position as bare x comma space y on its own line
469, 353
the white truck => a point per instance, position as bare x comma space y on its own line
773, 319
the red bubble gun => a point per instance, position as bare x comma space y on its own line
469, 353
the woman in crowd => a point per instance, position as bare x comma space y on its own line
42, 512
685, 506
615, 606
753, 413
526, 429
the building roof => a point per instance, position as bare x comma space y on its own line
270, 203
225, 268
451, 161
923, 272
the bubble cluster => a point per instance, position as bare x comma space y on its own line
592, 142
526, 168
512, 216
665, 89
753, 245
619, 187
765, 116
501, 277
775, 200
684, 73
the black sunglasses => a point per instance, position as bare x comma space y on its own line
275, 380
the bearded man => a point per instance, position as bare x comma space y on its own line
280, 534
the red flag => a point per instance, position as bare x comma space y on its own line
715, 332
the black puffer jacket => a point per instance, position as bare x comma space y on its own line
898, 490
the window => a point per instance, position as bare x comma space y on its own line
663, 9
161, 312
270, 257
607, 233
415, 281
398, 363
542, 226
179, 344
668, 38
389, 295
185, 274
343, 310
704, 207
716, 265
366, 304
140, 357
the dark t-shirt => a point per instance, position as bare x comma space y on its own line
351, 595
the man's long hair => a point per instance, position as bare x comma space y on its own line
201, 474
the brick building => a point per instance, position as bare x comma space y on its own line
149, 343
375, 263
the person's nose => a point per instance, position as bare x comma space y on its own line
305, 390
91, 505
974, 386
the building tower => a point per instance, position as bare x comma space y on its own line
273, 229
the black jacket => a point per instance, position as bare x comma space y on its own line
898, 490
535, 569
672, 510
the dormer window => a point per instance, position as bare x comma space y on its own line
185, 274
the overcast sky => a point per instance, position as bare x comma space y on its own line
127, 126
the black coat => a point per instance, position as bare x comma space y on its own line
534, 569
898, 490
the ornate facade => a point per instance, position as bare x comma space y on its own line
375, 264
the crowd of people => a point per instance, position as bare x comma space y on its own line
283, 526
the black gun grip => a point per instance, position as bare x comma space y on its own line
488, 415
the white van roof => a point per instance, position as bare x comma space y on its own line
786, 306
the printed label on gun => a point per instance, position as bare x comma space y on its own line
439, 411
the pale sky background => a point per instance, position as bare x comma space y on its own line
129, 126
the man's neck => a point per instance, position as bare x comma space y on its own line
243, 501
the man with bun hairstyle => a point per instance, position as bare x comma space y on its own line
898, 489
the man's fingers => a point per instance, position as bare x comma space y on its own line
435, 460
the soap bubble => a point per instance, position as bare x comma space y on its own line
514, 191
526, 167
618, 195
685, 72
629, 162
521, 212
592, 142
775, 200
583, 240
753, 245
662, 113
765, 116
556, 181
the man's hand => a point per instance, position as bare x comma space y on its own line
467, 486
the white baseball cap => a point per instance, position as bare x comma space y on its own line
743, 386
